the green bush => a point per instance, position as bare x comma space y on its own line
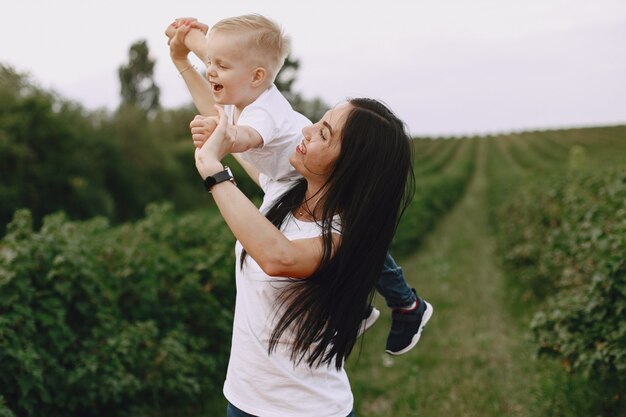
564, 241
57, 156
435, 194
434, 197
129, 321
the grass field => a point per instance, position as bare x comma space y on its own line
476, 356
473, 359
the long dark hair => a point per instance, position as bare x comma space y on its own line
370, 186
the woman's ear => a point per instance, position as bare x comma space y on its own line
258, 76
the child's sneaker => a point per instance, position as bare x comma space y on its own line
407, 326
369, 318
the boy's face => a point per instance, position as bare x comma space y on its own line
229, 69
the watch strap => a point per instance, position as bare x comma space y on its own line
211, 180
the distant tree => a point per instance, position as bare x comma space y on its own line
137, 78
51, 157
314, 108
287, 76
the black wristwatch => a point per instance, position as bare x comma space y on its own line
222, 176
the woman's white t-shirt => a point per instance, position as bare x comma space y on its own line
270, 385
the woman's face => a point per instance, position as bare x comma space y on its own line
315, 156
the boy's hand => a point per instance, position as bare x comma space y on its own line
178, 49
208, 156
176, 33
192, 22
202, 127
204, 28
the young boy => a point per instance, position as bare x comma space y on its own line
243, 56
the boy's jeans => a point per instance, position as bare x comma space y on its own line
393, 286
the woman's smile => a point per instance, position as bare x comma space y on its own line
301, 148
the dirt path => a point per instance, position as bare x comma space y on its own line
472, 360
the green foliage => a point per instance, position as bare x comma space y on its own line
137, 79
564, 244
558, 211
314, 109
287, 75
54, 155
127, 321
577, 158
4, 410
47, 161
437, 190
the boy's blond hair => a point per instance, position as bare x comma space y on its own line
267, 41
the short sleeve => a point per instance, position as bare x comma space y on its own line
260, 120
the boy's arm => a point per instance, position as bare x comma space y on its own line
188, 37
246, 137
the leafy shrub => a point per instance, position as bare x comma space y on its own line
565, 240
57, 156
133, 320
435, 195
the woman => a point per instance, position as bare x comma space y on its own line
306, 269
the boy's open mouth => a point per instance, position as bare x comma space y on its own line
217, 87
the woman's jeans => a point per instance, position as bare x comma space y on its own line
233, 411
393, 286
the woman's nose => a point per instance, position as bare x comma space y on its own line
306, 132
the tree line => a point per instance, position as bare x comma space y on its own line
55, 155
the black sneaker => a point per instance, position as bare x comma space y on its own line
369, 318
406, 327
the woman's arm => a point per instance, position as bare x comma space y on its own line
275, 254
183, 39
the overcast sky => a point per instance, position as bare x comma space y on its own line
445, 66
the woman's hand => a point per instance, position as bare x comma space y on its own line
176, 33
218, 145
192, 22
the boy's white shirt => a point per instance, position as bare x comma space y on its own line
280, 127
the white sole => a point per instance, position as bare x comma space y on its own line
416, 338
369, 321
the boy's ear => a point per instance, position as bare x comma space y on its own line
258, 76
